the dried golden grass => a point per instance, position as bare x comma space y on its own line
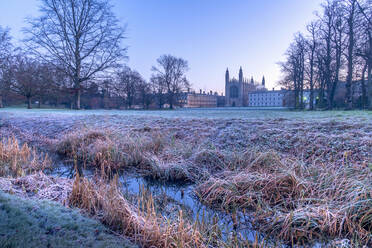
153, 155
18, 160
170, 172
144, 227
296, 202
108, 152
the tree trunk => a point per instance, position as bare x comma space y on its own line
171, 100
349, 95
330, 98
364, 90
1, 101
370, 86
29, 106
160, 99
311, 106
78, 93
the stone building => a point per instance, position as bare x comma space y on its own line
201, 100
265, 98
237, 91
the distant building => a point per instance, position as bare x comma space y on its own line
247, 93
266, 98
236, 91
201, 100
221, 101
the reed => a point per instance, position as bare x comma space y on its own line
143, 225
296, 202
18, 160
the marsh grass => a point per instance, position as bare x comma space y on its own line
103, 151
143, 225
295, 202
18, 160
154, 155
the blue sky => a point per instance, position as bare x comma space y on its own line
211, 34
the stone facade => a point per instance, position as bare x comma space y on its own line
237, 91
202, 100
274, 98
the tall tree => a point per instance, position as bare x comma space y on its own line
5, 59
159, 88
364, 46
127, 84
350, 9
145, 94
83, 36
170, 72
28, 76
294, 69
328, 36
339, 45
311, 42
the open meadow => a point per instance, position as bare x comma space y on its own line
228, 177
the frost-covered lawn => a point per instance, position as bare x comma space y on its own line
281, 162
306, 135
211, 113
36, 223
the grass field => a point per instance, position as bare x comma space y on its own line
265, 177
37, 223
225, 113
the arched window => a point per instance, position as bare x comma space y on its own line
234, 92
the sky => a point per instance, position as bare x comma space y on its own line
211, 35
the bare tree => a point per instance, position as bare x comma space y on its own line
320, 75
294, 69
312, 44
170, 73
338, 46
145, 94
330, 38
350, 9
27, 77
5, 59
364, 44
159, 88
126, 85
82, 36
49, 83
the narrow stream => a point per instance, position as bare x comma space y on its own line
177, 197
182, 197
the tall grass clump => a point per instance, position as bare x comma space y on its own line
18, 160
169, 172
103, 150
143, 225
154, 155
295, 202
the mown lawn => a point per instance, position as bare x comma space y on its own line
34, 223
197, 113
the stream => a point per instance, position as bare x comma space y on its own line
175, 197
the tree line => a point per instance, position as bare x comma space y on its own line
73, 54
333, 59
